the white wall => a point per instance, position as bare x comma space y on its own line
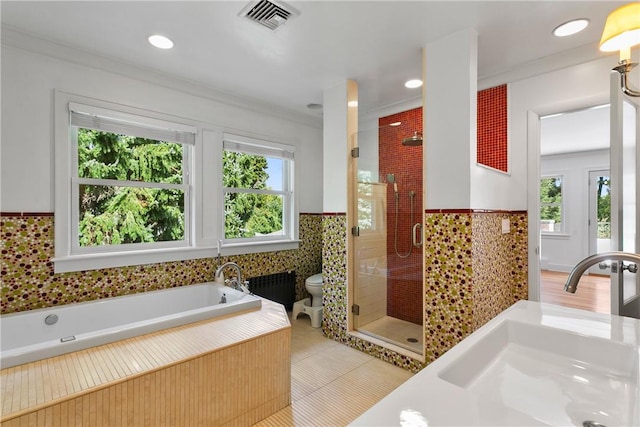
562, 252
335, 148
28, 83
449, 119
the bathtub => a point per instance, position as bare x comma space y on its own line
39, 334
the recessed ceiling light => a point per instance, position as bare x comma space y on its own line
352, 103
161, 42
395, 124
412, 84
571, 27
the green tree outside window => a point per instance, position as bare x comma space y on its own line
551, 204
122, 213
248, 213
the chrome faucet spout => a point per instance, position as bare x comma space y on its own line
236, 282
582, 266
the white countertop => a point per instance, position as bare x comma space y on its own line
534, 364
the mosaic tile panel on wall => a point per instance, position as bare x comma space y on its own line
472, 273
492, 127
28, 280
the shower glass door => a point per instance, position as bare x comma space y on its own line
387, 289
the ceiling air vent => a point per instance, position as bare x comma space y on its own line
271, 14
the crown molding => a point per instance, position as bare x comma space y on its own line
569, 58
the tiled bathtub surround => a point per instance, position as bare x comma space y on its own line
472, 272
28, 280
234, 370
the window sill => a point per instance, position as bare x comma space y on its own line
86, 262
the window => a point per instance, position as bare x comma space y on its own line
551, 206
130, 186
123, 185
135, 187
257, 190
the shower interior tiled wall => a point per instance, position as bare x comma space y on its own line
404, 278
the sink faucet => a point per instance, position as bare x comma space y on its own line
581, 267
236, 282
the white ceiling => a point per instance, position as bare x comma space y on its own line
377, 43
574, 131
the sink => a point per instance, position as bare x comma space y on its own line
534, 364
556, 376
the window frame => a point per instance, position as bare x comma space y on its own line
76, 181
262, 147
205, 194
561, 205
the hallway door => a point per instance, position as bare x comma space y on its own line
625, 186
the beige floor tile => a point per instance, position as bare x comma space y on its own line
331, 383
304, 346
301, 389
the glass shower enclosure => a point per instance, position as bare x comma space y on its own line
387, 248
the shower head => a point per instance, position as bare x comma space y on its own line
413, 141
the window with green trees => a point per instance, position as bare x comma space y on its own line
551, 207
135, 186
257, 180
130, 188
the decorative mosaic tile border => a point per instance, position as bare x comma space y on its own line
28, 280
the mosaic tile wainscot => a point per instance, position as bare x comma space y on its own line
472, 272
28, 280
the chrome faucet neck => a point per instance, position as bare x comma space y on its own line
238, 280
582, 266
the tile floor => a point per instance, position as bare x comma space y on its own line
331, 383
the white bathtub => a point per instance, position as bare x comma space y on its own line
26, 337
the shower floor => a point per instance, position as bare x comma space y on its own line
396, 331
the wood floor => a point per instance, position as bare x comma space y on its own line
593, 292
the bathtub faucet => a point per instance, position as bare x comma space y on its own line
582, 266
236, 281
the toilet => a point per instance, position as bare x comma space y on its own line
311, 306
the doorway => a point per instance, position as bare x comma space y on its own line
600, 217
574, 200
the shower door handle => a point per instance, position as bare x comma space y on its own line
417, 231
